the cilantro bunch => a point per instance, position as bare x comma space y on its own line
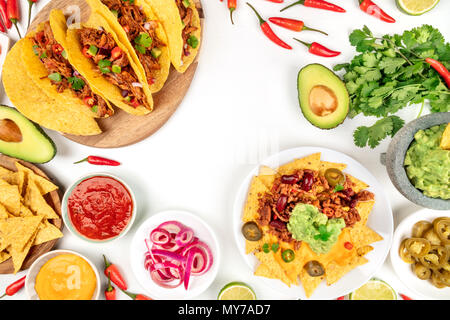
391, 74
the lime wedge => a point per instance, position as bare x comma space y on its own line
236, 291
416, 7
374, 289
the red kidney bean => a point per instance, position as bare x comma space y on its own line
353, 203
292, 179
308, 180
281, 203
278, 225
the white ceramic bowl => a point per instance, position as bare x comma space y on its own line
197, 284
37, 265
65, 211
422, 288
380, 220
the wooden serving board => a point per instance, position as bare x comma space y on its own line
52, 198
123, 129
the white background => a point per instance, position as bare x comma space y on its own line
241, 107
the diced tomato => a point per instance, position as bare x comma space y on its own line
85, 52
116, 53
348, 245
57, 48
89, 101
135, 103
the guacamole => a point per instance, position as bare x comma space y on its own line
427, 165
307, 224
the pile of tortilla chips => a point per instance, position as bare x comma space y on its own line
337, 262
25, 216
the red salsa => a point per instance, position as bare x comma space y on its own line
100, 207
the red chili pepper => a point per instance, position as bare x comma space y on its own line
404, 297
99, 161
441, 69
232, 4
14, 287
2, 28
30, 4
371, 8
319, 50
276, 1
4, 15
116, 277
292, 24
13, 13
110, 292
318, 4
268, 31
136, 296
341, 298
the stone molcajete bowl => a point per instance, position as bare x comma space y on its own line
395, 157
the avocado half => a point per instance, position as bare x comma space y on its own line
20, 138
323, 97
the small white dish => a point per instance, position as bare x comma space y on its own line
380, 220
65, 211
422, 288
197, 284
37, 265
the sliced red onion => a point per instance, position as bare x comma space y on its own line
160, 236
184, 237
136, 84
168, 255
147, 26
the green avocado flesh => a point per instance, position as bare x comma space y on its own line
323, 97
29, 142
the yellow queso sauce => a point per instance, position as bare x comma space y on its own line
66, 277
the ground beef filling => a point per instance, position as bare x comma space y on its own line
340, 204
62, 75
186, 15
139, 30
113, 64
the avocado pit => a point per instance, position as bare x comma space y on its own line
10, 131
322, 100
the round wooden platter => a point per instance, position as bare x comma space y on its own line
52, 198
123, 129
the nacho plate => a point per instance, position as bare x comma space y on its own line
52, 198
380, 220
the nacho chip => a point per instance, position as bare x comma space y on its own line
257, 188
363, 236
364, 209
309, 283
4, 256
36, 203
17, 231
44, 185
334, 271
47, 232
358, 184
362, 251
18, 256
24, 211
311, 162
275, 270
267, 176
10, 198
325, 165
3, 212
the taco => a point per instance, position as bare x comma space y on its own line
47, 64
139, 30
107, 64
34, 104
181, 22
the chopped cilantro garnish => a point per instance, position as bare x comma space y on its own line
338, 187
94, 109
77, 83
103, 65
43, 55
139, 48
323, 234
35, 47
192, 41
55, 77
144, 40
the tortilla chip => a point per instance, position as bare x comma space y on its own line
364, 210
310, 162
44, 185
3, 212
267, 176
47, 232
362, 251
34, 200
4, 256
325, 165
29, 99
257, 188
10, 198
309, 283
334, 271
18, 230
24, 211
275, 270
358, 185
4, 173
363, 236
18, 256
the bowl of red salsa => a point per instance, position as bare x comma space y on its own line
99, 207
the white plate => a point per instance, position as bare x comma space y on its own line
37, 265
197, 285
423, 288
380, 220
